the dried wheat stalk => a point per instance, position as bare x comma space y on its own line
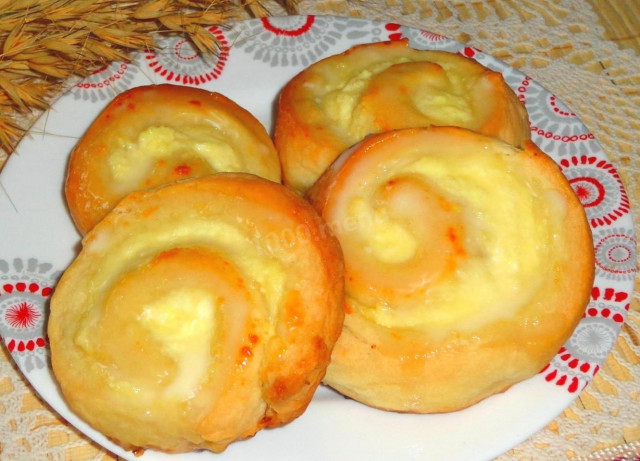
44, 42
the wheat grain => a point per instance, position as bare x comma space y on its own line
45, 42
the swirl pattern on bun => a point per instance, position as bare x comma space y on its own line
153, 135
198, 313
468, 263
378, 87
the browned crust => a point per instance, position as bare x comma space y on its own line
308, 141
411, 371
291, 363
89, 188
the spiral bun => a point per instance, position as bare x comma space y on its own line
468, 263
198, 313
377, 87
153, 135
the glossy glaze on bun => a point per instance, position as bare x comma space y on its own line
152, 135
468, 264
377, 87
198, 313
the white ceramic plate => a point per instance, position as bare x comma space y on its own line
38, 241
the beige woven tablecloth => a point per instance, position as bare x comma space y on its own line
585, 51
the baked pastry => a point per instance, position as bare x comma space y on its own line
468, 263
151, 135
377, 87
198, 313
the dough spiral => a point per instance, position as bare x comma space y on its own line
153, 135
378, 87
468, 263
198, 313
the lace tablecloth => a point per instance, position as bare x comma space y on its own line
585, 51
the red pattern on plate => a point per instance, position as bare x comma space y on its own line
271, 26
561, 138
184, 65
553, 102
521, 91
615, 253
578, 360
22, 316
395, 31
104, 77
597, 184
609, 304
469, 52
432, 37
554, 375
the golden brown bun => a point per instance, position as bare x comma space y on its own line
468, 263
378, 87
152, 135
198, 313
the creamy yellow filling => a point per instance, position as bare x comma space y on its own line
133, 159
510, 235
340, 103
264, 273
183, 323
444, 106
388, 240
439, 101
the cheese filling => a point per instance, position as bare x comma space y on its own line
388, 240
439, 97
134, 158
509, 233
183, 323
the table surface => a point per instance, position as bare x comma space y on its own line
585, 51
